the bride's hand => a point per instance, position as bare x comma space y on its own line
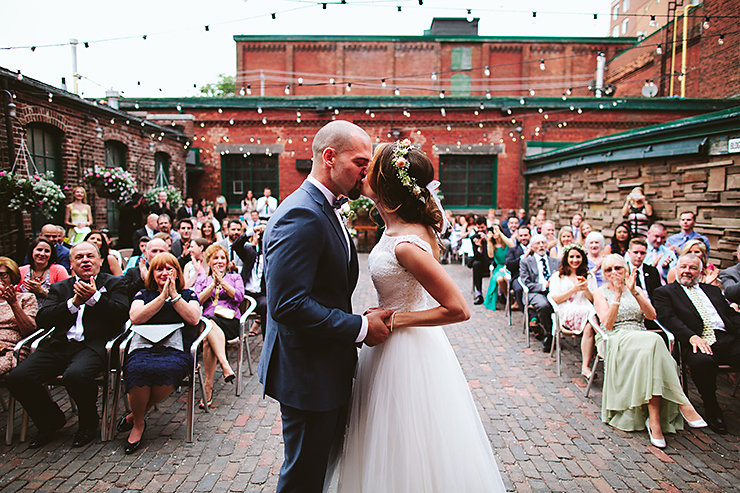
372, 309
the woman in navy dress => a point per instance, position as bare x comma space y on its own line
152, 370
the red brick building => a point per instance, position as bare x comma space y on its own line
68, 135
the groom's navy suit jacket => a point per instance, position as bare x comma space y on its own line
309, 354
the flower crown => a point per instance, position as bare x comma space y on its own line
402, 167
577, 246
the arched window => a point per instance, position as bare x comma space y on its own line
45, 145
161, 169
116, 154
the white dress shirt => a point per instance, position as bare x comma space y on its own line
76, 332
266, 206
540, 268
714, 318
641, 276
331, 198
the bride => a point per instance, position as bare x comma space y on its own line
412, 424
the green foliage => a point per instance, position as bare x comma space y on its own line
224, 87
36, 193
174, 197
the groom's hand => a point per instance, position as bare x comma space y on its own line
377, 330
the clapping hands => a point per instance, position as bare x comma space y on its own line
8, 294
83, 291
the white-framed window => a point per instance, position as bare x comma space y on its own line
625, 5
615, 12
615, 32
625, 25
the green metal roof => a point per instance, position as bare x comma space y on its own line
324, 103
450, 38
682, 136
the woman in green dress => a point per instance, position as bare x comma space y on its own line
497, 250
641, 387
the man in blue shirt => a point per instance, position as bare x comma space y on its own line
687, 220
55, 237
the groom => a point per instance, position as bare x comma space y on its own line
309, 354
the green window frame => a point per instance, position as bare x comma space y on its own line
460, 85
116, 154
461, 58
469, 180
45, 146
240, 173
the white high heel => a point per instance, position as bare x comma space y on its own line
697, 423
658, 442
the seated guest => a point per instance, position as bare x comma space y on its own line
497, 250
595, 248
648, 278
513, 256
17, 314
85, 312
686, 220
710, 274
111, 251
208, 232
730, 278
505, 224
219, 293
565, 238
250, 252
153, 370
658, 254
162, 206
55, 235
111, 265
181, 246
637, 213
233, 231
535, 272
133, 260
641, 386
620, 240
164, 225
480, 261
550, 232
164, 237
253, 220
705, 325
572, 288
42, 270
136, 275
149, 229
196, 267
512, 225
586, 228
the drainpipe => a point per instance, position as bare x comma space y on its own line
600, 65
683, 47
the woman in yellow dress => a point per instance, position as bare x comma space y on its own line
78, 216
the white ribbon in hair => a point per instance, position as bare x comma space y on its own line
432, 186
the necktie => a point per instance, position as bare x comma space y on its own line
638, 281
707, 332
545, 268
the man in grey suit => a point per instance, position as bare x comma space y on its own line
730, 278
309, 354
535, 270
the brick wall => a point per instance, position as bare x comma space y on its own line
708, 186
81, 149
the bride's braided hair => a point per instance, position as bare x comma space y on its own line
414, 206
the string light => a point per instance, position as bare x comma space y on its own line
382, 83
207, 27
659, 49
300, 81
542, 64
287, 89
51, 97
349, 87
434, 76
397, 91
441, 94
721, 40
273, 15
531, 92
705, 25
249, 89
443, 112
488, 94
596, 16
332, 81
487, 71
231, 121
264, 120
534, 13
653, 23
220, 110
259, 109
242, 91
399, 8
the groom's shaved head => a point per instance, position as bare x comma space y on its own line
337, 135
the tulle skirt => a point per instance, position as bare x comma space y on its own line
413, 425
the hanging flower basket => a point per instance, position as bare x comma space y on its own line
111, 183
35, 193
174, 196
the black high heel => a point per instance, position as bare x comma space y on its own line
123, 425
230, 378
130, 448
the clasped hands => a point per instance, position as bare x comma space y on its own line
378, 325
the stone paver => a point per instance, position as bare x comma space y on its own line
545, 434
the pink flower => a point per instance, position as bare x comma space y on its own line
41, 202
400, 162
2, 173
405, 142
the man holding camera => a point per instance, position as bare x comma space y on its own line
248, 247
480, 261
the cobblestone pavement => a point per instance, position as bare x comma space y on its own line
545, 434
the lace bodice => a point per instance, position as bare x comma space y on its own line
629, 316
397, 289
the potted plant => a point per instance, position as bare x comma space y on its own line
111, 183
34, 193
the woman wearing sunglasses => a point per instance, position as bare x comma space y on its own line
641, 387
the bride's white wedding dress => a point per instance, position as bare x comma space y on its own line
413, 425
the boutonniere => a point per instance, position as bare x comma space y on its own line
346, 212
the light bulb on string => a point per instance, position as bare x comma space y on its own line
487, 71
434, 75
542, 64
249, 89
580, 111
259, 109
659, 49
332, 81
488, 94
336, 111
531, 92
449, 128
220, 110
569, 91
349, 87
231, 121
383, 83
300, 81
476, 112
397, 91
242, 91
521, 101
705, 25
653, 23
482, 106
441, 94
264, 120
721, 40
443, 112
287, 90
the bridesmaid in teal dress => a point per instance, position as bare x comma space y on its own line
641, 387
497, 250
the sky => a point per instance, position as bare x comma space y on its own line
179, 56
